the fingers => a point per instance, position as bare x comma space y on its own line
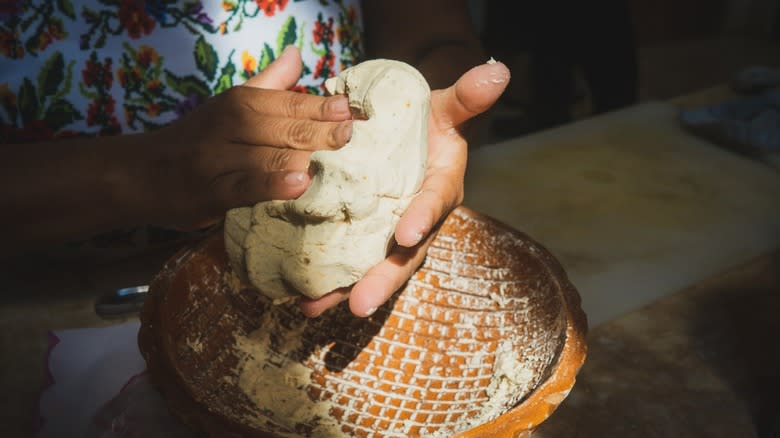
296, 134
441, 192
473, 93
376, 287
242, 188
282, 74
313, 308
384, 279
275, 103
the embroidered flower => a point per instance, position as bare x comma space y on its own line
10, 9
249, 63
147, 56
96, 73
324, 68
153, 109
269, 7
323, 32
10, 46
134, 18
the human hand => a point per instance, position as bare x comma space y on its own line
442, 190
248, 144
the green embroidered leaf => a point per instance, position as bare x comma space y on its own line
205, 58
91, 95
28, 102
266, 57
67, 83
89, 15
287, 35
320, 52
51, 75
187, 85
225, 78
9, 105
100, 42
67, 8
61, 113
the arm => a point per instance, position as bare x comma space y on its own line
248, 144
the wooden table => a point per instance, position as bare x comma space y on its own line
702, 362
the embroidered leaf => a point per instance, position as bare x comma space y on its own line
67, 83
28, 102
89, 15
60, 114
266, 57
91, 95
100, 42
205, 58
8, 100
225, 78
51, 75
320, 52
67, 8
287, 35
187, 85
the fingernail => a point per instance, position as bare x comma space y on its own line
415, 238
345, 131
370, 311
339, 105
295, 178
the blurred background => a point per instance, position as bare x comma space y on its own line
573, 59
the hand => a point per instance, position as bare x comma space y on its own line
441, 192
248, 144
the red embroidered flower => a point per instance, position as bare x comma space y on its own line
97, 73
10, 47
153, 109
269, 7
147, 56
324, 68
323, 32
100, 110
128, 77
134, 18
153, 85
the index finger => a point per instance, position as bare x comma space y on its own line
290, 104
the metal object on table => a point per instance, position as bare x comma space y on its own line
121, 302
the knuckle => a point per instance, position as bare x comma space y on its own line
278, 160
301, 133
295, 104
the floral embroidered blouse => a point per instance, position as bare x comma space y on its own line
104, 67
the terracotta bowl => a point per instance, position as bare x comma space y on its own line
485, 340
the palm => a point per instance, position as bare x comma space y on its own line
441, 191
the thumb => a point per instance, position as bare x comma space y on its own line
282, 74
474, 92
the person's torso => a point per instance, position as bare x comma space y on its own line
104, 67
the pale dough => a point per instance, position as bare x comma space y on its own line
343, 224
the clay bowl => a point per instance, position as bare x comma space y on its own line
485, 340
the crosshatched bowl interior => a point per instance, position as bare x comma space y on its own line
478, 328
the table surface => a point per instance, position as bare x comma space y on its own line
702, 362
